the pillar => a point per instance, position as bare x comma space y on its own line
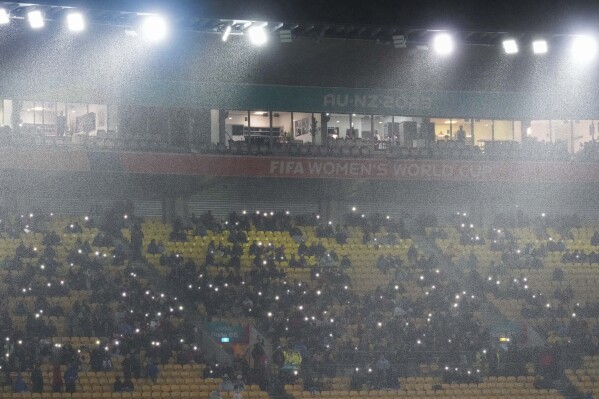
324, 128
215, 118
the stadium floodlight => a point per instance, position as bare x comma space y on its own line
76, 22
257, 35
4, 17
154, 28
226, 33
584, 48
285, 36
539, 47
36, 19
399, 41
443, 43
510, 46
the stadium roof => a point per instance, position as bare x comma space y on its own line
379, 29
518, 15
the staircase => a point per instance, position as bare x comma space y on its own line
491, 317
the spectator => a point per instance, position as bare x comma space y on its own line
128, 386
126, 367
226, 385
152, 371
107, 363
70, 378
57, 381
19, 385
239, 385
37, 380
117, 385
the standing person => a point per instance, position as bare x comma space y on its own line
152, 371
461, 134
70, 378
19, 385
126, 366
117, 386
56, 379
37, 380
61, 124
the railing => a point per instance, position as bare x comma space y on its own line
356, 148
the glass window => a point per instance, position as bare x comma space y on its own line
38, 117
483, 130
362, 127
467, 125
49, 114
582, 133
254, 126
518, 131
503, 130
75, 121
539, 130
236, 125
560, 132
100, 113
281, 125
406, 130
338, 126
302, 122
444, 128
27, 115
382, 127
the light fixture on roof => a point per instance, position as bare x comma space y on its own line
226, 33
510, 46
539, 47
443, 43
36, 19
257, 35
584, 48
75, 22
154, 28
4, 17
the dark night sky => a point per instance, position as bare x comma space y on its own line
555, 16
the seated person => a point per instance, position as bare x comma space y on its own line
117, 385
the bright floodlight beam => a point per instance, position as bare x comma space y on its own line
510, 46
154, 28
226, 33
443, 43
539, 47
584, 48
257, 35
36, 19
75, 22
4, 17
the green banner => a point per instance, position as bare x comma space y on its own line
238, 96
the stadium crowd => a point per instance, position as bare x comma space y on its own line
79, 285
